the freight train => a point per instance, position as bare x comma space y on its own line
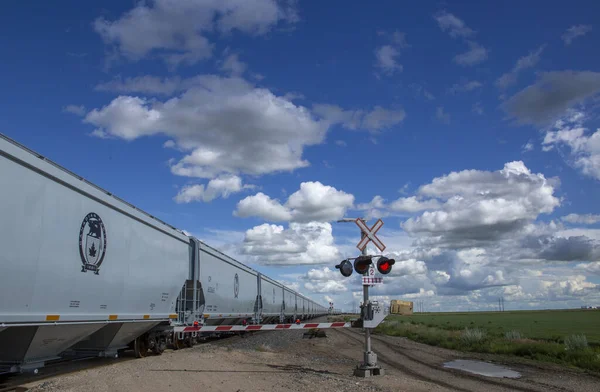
85, 273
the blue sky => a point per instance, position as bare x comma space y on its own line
468, 127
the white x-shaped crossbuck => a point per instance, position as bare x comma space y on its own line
370, 234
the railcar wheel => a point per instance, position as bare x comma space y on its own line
189, 341
140, 347
178, 344
159, 346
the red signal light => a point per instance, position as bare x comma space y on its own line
384, 265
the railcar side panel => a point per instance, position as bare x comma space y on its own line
230, 287
72, 252
272, 296
290, 302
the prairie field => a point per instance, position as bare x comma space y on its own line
542, 324
569, 337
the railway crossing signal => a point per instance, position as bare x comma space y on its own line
362, 263
384, 265
369, 234
345, 268
371, 313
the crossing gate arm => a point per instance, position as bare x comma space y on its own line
264, 327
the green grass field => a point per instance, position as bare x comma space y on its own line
552, 325
539, 335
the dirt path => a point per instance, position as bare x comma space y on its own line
425, 363
284, 361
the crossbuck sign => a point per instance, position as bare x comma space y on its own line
370, 234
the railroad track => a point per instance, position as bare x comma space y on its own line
454, 380
16, 382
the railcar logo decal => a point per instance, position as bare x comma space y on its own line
236, 286
92, 245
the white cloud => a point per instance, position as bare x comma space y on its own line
413, 204
312, 202
376, 119
386, 59
74, 109
475, 55
178, 31
453, 25
262, 206
458, 29
301, 243
222, 186
584, 146
442, 116
378, 208
574, 32
227, 124
522, 63
527, 147
386, 55
324, 280
552, 95
591, 268
587, 219
233, 65
483, 204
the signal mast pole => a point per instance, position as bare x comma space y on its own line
369, 366
371, 313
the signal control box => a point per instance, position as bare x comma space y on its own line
371, 315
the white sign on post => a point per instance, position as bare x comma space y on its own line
370, 279
370, 235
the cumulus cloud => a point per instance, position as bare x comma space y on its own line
374, 120
226, 124
484, 205
312, 202
233, 65
587, 219
324, 280
583, 145
178, 32
262, 206
574, 32
523, 63
378, 208
591, 268
222, 186
551, 96
300, 244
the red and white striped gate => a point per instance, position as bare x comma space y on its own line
264, 327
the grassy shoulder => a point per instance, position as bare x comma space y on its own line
572, 349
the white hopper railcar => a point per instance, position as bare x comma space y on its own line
83, 272
79, 268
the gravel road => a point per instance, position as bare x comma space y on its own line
285, 361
